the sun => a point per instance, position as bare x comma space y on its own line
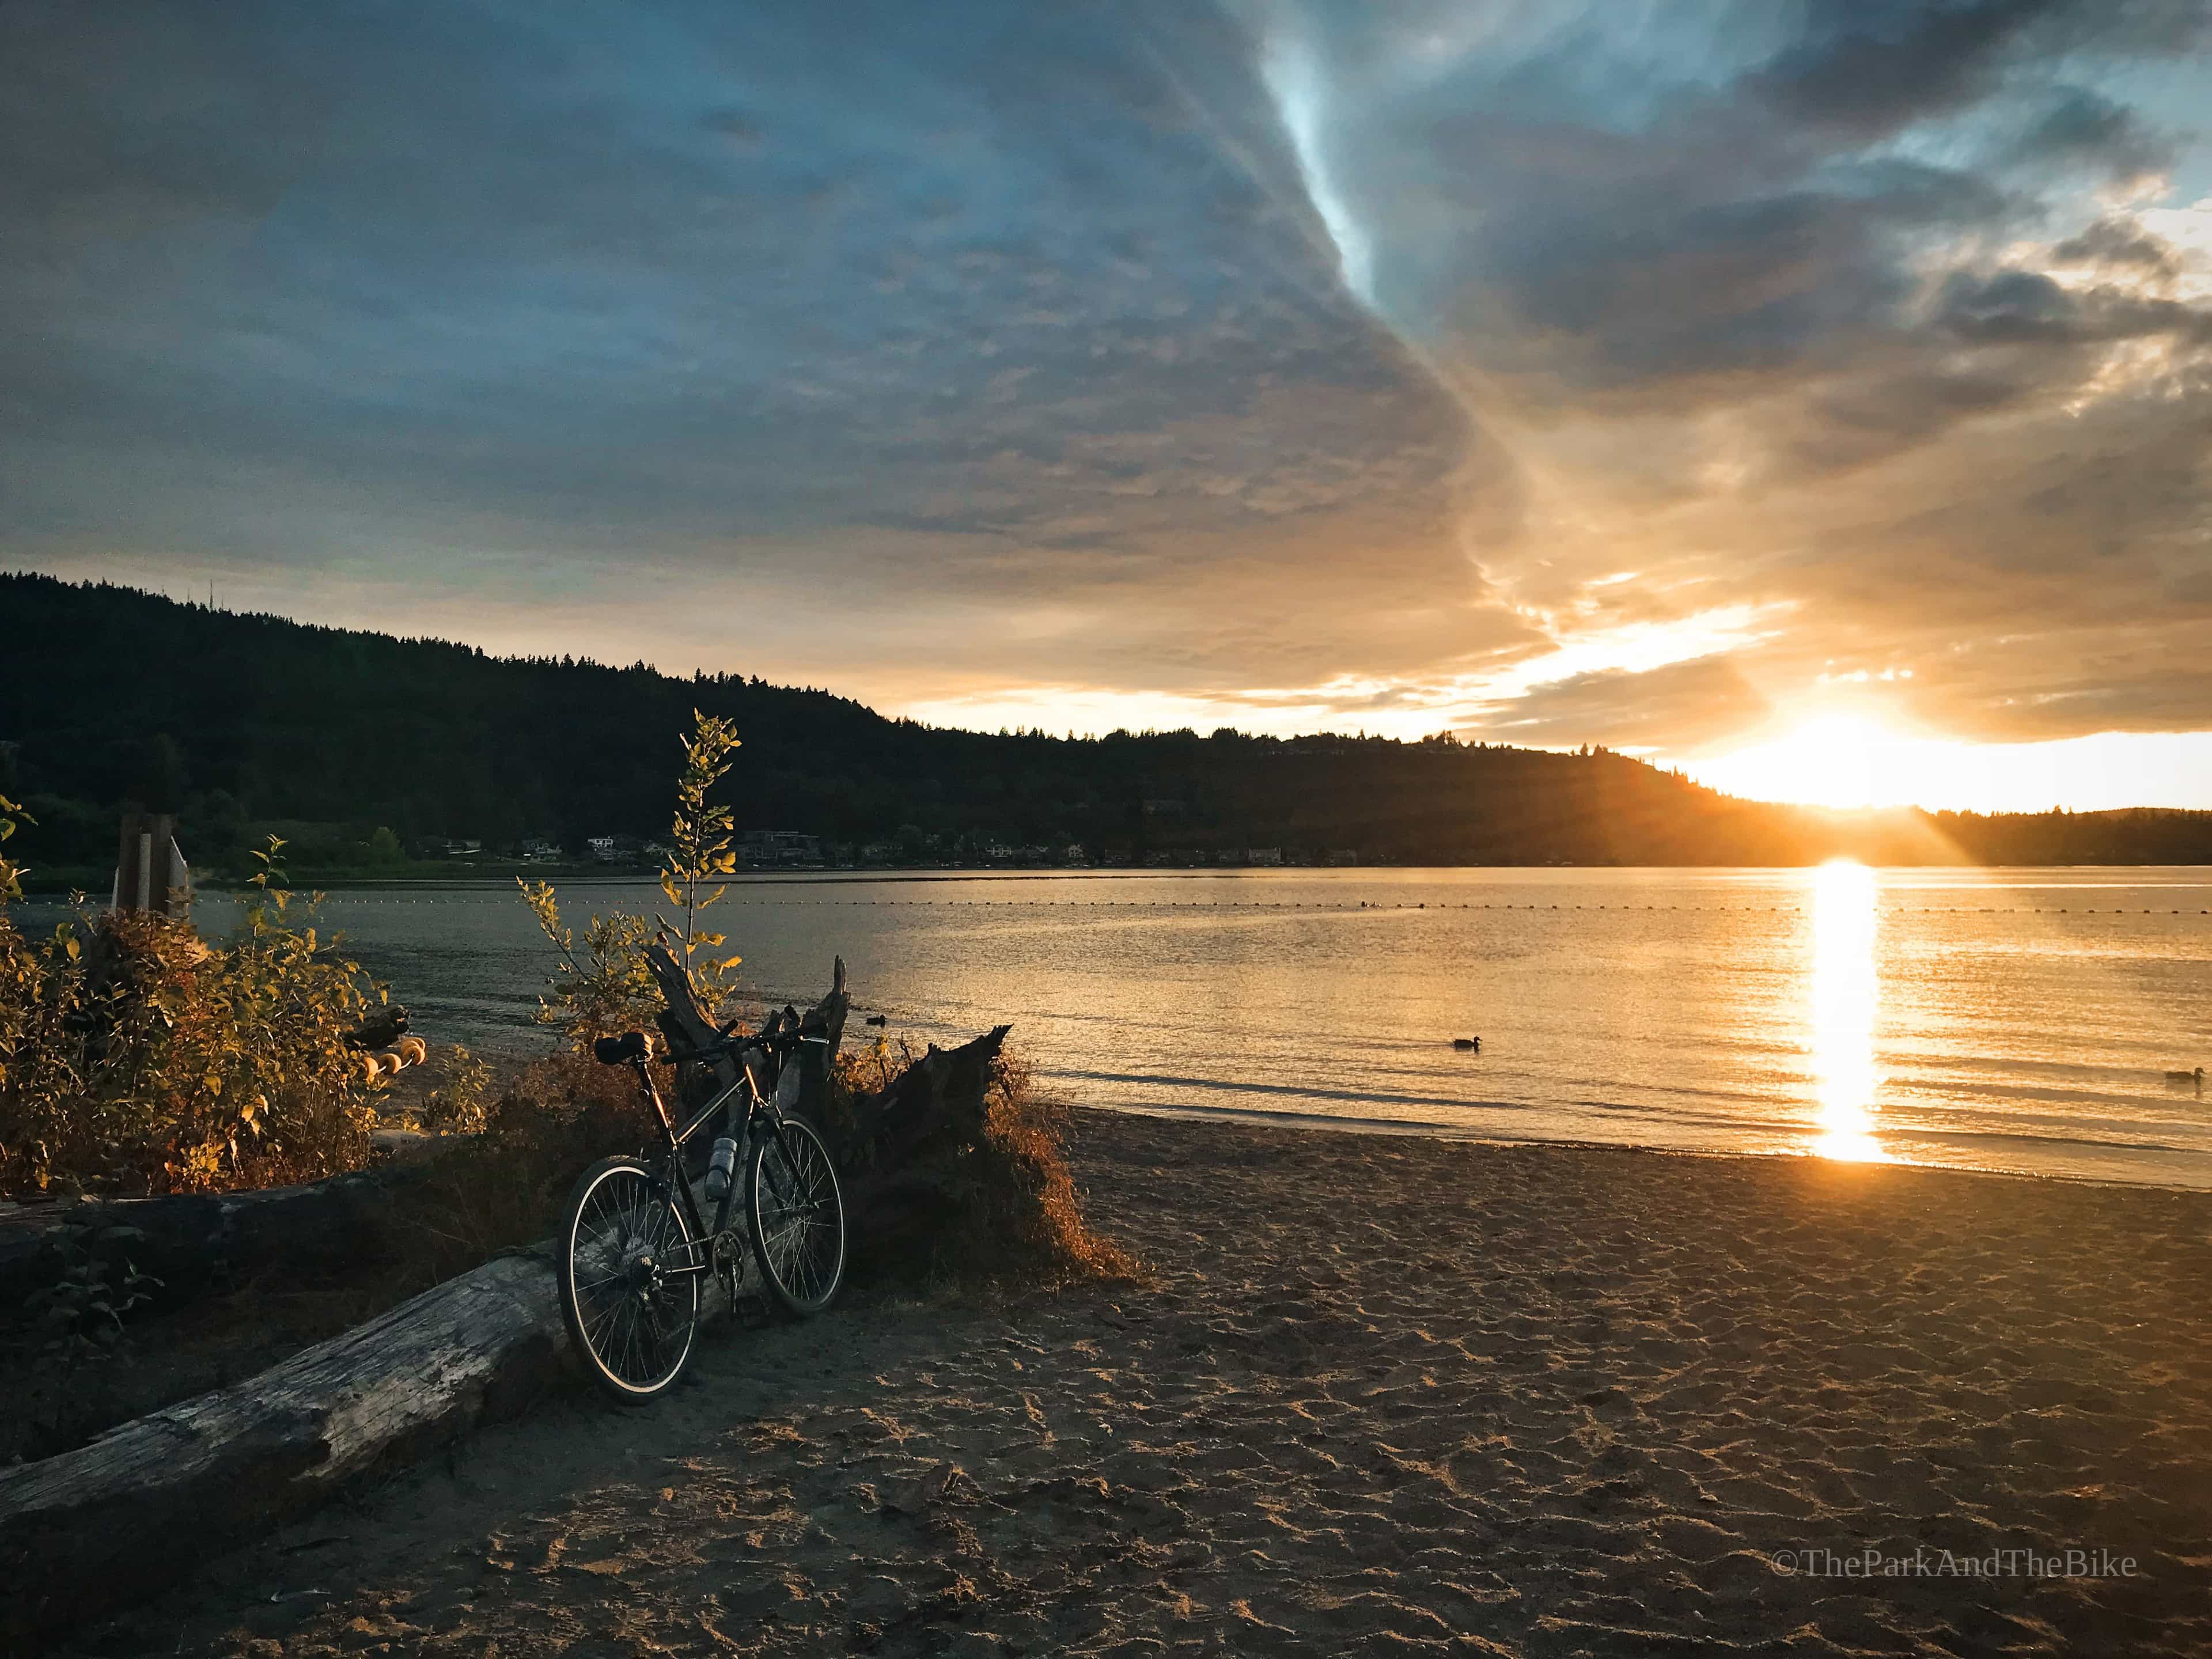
1831, 760
1844, 758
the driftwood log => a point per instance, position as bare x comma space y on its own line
140, 1506
199, 1243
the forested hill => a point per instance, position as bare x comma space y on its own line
111, 696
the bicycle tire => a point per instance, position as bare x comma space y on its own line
796, 1212
633, 1328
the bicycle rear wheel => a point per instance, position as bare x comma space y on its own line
798, 1215
631, 1317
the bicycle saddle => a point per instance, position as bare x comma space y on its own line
619, 1051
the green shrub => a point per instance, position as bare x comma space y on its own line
605, 991
458, 1105
83, 1311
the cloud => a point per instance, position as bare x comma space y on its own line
1322, 359
1860, 72
1785, 305
676, 277
1682, 707
2086, 128
2121, 243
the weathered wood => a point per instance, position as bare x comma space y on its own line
145, 1502
150, 874
381, 1029
148, 1501
685, 1024
682, 1021
898, 1151
897, 1148
939, 1097
199, 1243
825, 1020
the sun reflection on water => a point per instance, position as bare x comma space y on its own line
1845, 988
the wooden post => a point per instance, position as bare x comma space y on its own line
150, 874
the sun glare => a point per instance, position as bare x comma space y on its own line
1838, 760
1847, 760
1845, 991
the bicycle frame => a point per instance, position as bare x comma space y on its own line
758, 1107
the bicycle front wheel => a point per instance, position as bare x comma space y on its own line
798, 1215
631, 1312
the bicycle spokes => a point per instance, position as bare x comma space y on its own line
632, 1296
798, 1217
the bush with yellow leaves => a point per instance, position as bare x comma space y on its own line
136, 1058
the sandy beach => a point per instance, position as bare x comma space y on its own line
1380, 1394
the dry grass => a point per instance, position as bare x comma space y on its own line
504, 1189
1027, 1210
1015, 1217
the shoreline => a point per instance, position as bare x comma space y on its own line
505, 877
1401, 1128
1415, 1129
1373, 1392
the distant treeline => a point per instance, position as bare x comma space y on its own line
362, 747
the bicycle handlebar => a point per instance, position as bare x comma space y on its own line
632, 1046
770, 1041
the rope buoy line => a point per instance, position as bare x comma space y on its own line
1338, 904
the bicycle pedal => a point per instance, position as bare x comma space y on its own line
752, 1313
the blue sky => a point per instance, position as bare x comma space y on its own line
1661, 375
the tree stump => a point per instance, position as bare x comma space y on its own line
803, 1086
899, 1150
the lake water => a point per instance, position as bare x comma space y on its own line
1995, 1019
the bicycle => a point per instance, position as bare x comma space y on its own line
634, 1247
